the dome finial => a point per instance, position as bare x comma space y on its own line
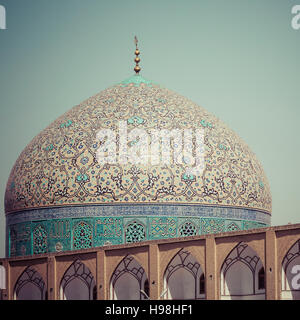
137, 68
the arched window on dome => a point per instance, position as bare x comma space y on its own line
129, 281
135, 231
240, 274
290, 283
188, 228
78, 283
183, 278
39, 237
30, 286
82, 236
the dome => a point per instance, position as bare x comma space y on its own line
59, 175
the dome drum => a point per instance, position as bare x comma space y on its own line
73, 228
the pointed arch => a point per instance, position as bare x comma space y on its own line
240, 274
182, 277
77, 283
30, 286
290, 284
128, 281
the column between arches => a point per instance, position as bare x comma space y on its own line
271, 271
154, 272
211, 276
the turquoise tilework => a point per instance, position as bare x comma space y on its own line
78, 230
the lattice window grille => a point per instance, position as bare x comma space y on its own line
188, 229
39, 240
135, 232
82, 236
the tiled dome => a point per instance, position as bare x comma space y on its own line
59, 168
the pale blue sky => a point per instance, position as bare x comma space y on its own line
238, 59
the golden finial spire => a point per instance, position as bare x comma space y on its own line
137, 68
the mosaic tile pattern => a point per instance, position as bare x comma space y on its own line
162, 227
212, 225
59, 166
135, 232
108, 231
188, 228
82, 236
107, 210
40, 244
55, 235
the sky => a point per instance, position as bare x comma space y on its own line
238, 59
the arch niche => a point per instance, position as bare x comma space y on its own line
78, 283
242, 275
129, 281
184, 278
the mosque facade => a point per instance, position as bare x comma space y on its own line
139, 193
